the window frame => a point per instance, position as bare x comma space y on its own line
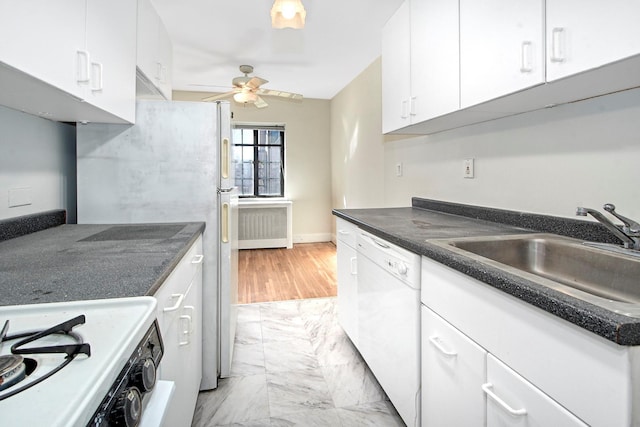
256, 128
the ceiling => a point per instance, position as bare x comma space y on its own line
211, 38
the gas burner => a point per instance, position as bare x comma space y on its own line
14, 368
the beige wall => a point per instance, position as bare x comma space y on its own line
357, 155
307, 158
548, 161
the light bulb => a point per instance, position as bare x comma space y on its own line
288, 10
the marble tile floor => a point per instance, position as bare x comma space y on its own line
294, 366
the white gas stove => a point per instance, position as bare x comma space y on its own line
95, 364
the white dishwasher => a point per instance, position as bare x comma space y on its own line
389, 320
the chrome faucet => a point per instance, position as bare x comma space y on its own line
629, 233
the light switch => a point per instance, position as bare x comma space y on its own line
399, 169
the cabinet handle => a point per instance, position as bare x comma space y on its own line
412, 106
354, 266
97, 66
382, 245
526, 65
558, 39
197, 259
176, 305
159, 72
404, 109
344, 233
435, 341
488, 389
83, 72
192, 311
185, 333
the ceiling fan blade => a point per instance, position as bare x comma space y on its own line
260, 103
256, 82
219, 96
279, 93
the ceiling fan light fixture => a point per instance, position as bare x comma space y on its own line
245, 97
288, 14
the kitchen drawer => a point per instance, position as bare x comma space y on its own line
512, 400
346, 232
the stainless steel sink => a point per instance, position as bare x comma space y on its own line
608, 278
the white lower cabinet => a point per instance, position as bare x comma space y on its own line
453, 371
347, 278
513, 401
180, 318
464, 385
491, 359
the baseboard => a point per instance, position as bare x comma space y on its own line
311, 238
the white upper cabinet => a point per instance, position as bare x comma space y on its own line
82, 48
501, 48
53, 56
111, 35
420, 68
155, 54
435, 53
585, 34
396, 63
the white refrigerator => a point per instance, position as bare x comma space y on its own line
173, 165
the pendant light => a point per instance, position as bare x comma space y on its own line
288, 14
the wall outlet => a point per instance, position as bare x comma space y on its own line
399, 169
468, 168
19, 197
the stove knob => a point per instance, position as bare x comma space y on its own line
128, 408
144, 375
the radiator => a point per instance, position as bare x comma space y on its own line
265, 224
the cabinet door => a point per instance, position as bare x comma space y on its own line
347, 289
111, 43
600, 33
501, 48
155, 53
453, 371
396, 63
43, 39
512, 400
435, 59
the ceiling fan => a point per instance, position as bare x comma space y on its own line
247, 90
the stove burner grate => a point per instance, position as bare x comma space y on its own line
17, 367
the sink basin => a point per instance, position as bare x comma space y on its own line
608, 278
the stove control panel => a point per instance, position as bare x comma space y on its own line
124, 403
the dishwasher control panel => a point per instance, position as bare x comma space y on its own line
403, 264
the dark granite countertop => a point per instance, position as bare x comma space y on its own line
82, 262
415, 227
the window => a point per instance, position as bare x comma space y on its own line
258, 156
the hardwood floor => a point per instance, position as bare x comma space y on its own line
306, 271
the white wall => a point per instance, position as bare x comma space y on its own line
38, 156
307, 158
548, 161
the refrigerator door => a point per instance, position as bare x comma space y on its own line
228, 276
162, 169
